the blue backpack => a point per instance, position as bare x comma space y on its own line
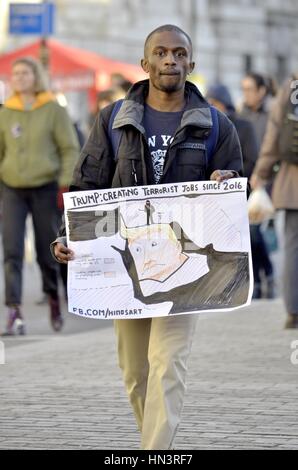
115, 134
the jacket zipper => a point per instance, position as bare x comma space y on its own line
134, 173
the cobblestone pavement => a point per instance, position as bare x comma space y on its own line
66, 392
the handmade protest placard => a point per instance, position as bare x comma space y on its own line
149, 251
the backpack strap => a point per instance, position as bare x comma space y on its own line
212, 139
114, 134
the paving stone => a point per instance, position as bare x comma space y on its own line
66, 392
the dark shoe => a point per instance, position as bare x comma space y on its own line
55, 314
257, 293
292, 321
14, 318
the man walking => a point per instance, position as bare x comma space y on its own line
165, 127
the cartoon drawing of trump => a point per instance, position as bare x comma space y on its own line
165, 265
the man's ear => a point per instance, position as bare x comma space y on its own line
191, 67
144, 65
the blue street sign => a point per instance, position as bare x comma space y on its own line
31, 18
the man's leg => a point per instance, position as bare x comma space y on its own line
169, 347
133, 339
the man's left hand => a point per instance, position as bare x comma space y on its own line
221, 175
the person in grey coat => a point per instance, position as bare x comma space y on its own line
285, 186
257, 99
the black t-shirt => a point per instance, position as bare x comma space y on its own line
160, 129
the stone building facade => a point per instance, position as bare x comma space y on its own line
230, 36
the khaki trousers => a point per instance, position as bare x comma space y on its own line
153, 355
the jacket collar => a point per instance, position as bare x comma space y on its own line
15, 102
197, 111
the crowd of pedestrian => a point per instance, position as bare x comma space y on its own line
39, 160
39, 147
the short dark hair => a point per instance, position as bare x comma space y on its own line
167, 27
262, 81
259, 79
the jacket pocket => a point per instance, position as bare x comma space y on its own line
192, 164
91, 172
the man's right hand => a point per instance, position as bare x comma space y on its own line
62, 253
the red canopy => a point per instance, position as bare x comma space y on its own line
72, 68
